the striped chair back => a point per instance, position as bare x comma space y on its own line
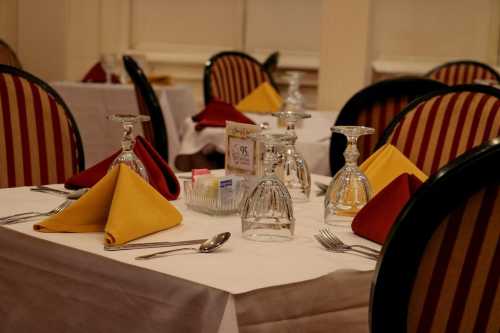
437, 128
463, 72
231, 76
8, 56
39, 139
440, 269
375, 106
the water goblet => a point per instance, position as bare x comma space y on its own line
295, 171
349, 189
127, 155
267, 212
108, 63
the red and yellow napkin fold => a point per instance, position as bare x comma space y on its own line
375, 219
263, 99
97, 74
161, 176
216, 113
385, 165
393, 179
121, 204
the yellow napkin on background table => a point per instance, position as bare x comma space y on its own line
121, 204
263, 99
385, 165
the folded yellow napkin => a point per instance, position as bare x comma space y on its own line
121, 204
385, 165
263, 99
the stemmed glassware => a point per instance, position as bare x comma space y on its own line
294, 98
108, 63
267, 212
295, 172
127, 155
349, 189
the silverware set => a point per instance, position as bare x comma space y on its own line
22, 217
26, 216
332, 243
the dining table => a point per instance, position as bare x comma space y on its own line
68, 282
313, 137
92, 103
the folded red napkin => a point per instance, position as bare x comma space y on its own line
375, 219
161, 177
216, 113
98, 75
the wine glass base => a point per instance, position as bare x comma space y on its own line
338, 221
267, 232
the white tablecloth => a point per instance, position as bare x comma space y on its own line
91, 103
243, 269
313, 138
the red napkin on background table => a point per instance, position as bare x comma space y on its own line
161, 177
216, 113
375, 219
98, 75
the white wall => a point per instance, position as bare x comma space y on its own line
61, 39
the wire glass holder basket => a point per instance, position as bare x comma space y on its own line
212, 202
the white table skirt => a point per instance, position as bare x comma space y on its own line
91, 103
245, 271
313, 138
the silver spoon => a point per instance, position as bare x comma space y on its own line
208, 246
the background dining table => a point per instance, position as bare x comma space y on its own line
62, 282
313, 140
92, 103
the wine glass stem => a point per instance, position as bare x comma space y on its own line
127, 139
290, 126
351, 153
270, 160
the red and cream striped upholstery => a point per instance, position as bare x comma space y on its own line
445, 126
38, 143
233, 76
378, 116
465, 72
457, 286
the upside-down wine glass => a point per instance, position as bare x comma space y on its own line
295, 172
127, 155
108, 63
349, 189
267, 212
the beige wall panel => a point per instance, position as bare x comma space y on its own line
42, 37
84, 28
433, 30
8, 22
285, 25
166, 24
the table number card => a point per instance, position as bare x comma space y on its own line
241, 151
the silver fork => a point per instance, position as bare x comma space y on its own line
338, 242
16, 218
327, 244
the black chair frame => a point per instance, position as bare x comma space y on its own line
47, 88
151, 103
434, 200
402, 86
207, 85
